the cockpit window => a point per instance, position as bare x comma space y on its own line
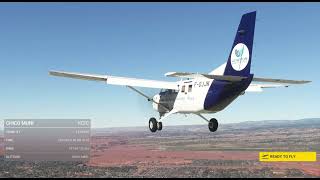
183, 88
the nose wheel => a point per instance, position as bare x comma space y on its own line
154, 125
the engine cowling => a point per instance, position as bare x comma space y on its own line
165, 98
156, 98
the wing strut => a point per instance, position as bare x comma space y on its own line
203, 117
149, 98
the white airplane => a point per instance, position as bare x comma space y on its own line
198, 93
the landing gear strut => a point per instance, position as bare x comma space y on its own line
154, 125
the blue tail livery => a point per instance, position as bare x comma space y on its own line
239, 60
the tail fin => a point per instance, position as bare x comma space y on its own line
239, 60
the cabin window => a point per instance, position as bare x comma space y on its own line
190, 88
183, 88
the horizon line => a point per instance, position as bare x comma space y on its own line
2, 128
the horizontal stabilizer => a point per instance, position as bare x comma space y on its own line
285, 81
260, 87
210, 76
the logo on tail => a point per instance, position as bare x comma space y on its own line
239, 57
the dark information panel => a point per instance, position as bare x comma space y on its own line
47, 139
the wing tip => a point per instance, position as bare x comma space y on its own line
303, 82
169, 74
56, 73
53, 72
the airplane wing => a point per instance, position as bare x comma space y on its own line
210, 76
116, 80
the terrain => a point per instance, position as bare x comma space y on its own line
186, 151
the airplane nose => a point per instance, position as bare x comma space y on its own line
156, 98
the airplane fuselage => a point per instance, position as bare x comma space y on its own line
200, 95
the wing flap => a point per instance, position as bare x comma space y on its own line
116, 80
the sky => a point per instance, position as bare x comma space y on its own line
146, 40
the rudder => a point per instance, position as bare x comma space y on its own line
239, 60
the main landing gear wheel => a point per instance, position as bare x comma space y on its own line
159, 126
153, 124
213, 125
